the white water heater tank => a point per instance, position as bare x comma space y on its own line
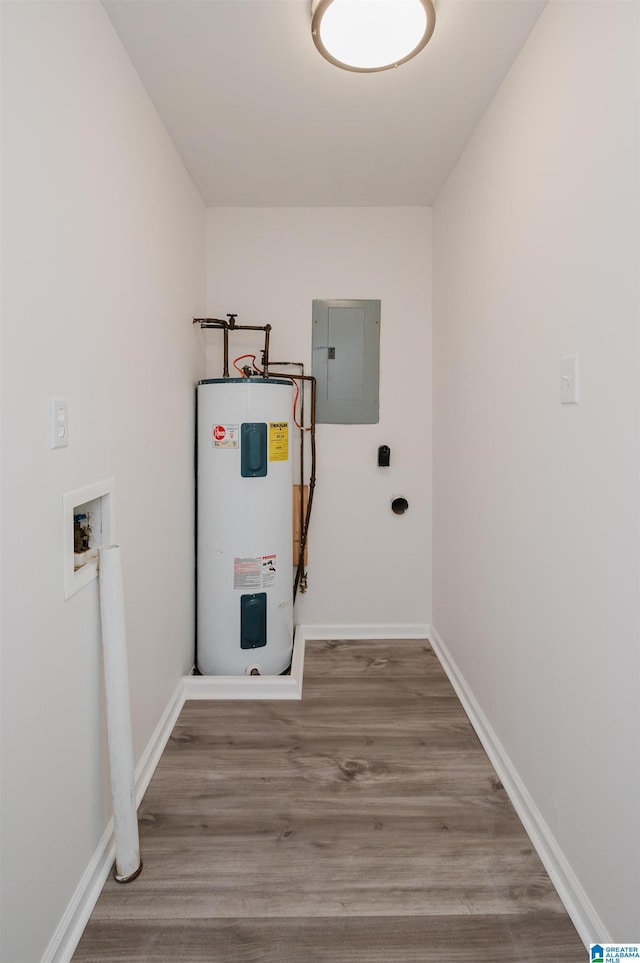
244, 526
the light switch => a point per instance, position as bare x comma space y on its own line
569, 386
59, 423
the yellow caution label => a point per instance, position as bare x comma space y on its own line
278, 441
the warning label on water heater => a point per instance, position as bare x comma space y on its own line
278, 441
224, 436
257, 572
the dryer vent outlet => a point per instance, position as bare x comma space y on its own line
399, 505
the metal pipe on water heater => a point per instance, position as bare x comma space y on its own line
312, 480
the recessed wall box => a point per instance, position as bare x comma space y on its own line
87, 519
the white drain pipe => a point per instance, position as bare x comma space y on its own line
116, 680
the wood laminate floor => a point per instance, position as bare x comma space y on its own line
364, 824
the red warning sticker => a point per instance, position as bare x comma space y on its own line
224, 436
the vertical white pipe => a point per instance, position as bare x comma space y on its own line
114, 647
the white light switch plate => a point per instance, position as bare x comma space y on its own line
569, 385
59, 423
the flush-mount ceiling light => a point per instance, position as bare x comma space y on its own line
370, 35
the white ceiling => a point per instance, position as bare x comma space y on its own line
260, 118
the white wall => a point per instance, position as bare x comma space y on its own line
366, 565
103, 267
536, 504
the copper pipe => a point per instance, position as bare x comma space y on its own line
312, 478
298, 364
230, 325
225, 365
265, 353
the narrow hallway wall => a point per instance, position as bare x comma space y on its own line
536, 522
103, 267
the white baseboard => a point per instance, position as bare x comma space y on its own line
251, 687
156, 745
290, 687
576, 902
76, 916
297, 659
240, 687
354, 632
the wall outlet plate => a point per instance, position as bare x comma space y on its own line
59, 423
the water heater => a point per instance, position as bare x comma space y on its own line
244, 528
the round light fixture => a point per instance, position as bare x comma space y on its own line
371, 35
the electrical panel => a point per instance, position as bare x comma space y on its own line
346, 361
